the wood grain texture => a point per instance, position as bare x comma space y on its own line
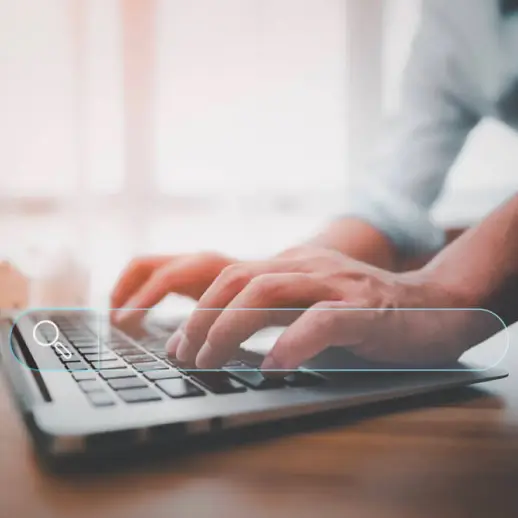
449, 455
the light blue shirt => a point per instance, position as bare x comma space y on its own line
463, 67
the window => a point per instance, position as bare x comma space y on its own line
248, 105
252, 98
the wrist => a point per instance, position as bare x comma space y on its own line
358, 240
452, 291
448, 329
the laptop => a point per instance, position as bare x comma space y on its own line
86, 388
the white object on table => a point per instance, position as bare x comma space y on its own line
14, 287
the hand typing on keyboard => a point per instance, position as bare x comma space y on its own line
325, 285
238, 299
147, 280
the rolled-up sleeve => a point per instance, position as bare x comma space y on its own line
435, 116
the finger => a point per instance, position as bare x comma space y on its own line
162, 282
267, 300
174, 341
132, 277
231, 281
323, 325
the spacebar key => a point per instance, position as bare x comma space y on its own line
255, 380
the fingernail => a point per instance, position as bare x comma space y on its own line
173, 342
203, 360
270, 364
182, 351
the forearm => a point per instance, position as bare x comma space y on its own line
482, 264
359, 240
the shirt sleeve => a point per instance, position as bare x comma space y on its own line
395, 194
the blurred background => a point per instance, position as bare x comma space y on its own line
157, 126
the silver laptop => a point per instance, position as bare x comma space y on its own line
85, 391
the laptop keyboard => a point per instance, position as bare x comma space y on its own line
121, 369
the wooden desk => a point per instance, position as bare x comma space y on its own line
444, 456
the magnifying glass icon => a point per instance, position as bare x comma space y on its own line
61, 349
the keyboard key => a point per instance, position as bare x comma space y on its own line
84, 375
217, 382
126, 350
76, 366
255, 380
139, 395
90, 342
239, 365
88, 349
120, 344
152, 366
138, 358
303, 379
180, 365
91, 385
117, 373
72, 357
101, 356
179, 388
127, 383
236, 363
108, 364
114, 336
155, 348
162, 375
154, 345
100, 398
81, 337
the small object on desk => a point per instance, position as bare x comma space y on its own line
65, 283
14, 287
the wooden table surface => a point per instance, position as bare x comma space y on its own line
448, 455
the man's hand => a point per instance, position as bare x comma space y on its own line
147, 280
331, 286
